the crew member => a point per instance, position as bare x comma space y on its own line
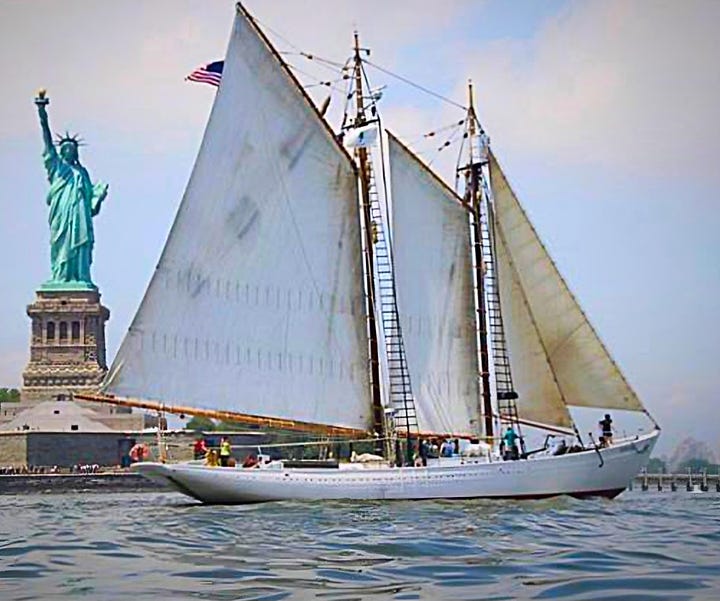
607, 430
211, 458
199, 448
225, 451
252, 461
510, 439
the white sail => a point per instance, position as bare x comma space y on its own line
434, 289
540, 398
581, 371
256, 305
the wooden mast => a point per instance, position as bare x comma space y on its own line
362, 157
473, 190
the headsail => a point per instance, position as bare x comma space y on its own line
558, 349
540, 398
257, 302
434, 288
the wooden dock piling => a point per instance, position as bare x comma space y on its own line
688, 480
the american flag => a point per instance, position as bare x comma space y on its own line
210, 73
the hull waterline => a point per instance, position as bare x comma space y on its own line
589, 473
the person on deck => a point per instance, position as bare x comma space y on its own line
211, 458
510, 439
423, 449
446, 449
252, 461
199, 448
139, 453
607, 430
225, 451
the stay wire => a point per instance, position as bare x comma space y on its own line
417, 86
451, 139
297, 49
316, 79
336, 64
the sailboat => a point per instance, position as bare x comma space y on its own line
296, 290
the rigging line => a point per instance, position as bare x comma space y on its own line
348, 97
325, 83
450, 139
449, 142
325, 61
458, 162
276, 34
433, 133
456, 124
298, 50
415, 85
373, 101
315, 78
318, 60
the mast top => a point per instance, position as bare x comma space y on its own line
358, 74
478, 141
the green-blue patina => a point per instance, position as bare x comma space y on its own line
73, 202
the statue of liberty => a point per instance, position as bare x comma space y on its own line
73, 202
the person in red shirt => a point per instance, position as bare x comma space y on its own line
199, 448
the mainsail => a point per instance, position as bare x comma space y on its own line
256, 304
556, 355
434, 288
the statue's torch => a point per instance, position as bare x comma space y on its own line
41, 99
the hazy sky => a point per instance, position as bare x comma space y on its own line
604, 116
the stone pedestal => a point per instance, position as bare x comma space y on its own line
67, 346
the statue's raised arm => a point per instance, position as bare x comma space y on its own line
41, 101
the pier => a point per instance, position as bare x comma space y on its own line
115, 481
686, 481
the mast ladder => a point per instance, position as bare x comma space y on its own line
400, 390
506, 394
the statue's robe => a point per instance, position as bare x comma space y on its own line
73, 201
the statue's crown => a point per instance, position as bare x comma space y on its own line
74, 138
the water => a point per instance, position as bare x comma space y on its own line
160, 546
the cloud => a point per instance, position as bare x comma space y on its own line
123, 73
630, 86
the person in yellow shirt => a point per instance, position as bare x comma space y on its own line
225, 451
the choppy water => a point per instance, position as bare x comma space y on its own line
159, 546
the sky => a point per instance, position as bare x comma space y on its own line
602, 113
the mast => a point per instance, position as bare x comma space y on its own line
362, 158
474, 200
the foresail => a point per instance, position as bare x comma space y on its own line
434, 289
256, 305
551, 322
540, 398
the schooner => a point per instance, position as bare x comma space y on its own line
358, 296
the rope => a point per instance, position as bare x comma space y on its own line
415, 85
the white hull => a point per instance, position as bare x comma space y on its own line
577, 474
